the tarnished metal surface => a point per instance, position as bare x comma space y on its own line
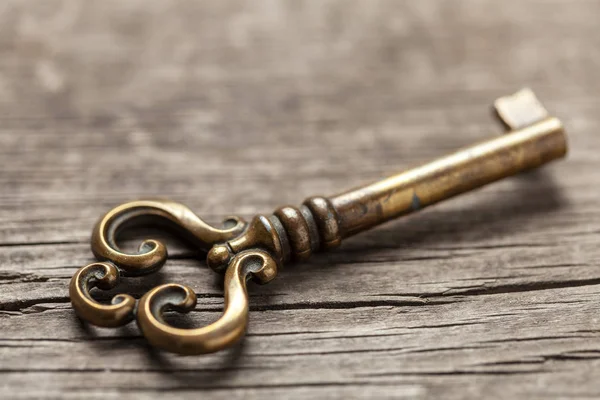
258, 249
465, 170
227, 330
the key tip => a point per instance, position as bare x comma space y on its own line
520, 109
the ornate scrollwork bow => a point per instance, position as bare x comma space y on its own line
241, 250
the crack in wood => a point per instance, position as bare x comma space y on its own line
40, 243
7, 278
520, 287
20, 305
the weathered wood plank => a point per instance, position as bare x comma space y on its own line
504, 336
235, 108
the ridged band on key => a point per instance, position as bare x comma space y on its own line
310, 228
298, 231
290, 234
326, 220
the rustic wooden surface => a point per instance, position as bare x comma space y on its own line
238, 107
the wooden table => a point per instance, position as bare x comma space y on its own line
237, 107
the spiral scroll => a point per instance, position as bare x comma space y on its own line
152, 253
227, 330
105, 276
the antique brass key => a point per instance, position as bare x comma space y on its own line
259, 248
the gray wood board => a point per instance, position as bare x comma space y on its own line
238, 107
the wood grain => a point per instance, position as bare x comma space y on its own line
236, 107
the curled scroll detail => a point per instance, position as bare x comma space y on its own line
105, 276
152, 254
227, 330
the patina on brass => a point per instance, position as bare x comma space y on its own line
259, 248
